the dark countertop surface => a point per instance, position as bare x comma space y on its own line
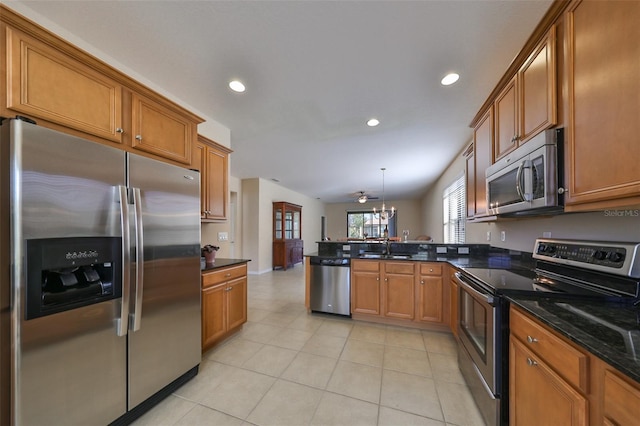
582, 322
221, 263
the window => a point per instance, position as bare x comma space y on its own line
454, 209
367, 225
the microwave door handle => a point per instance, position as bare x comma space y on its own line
521, 181
527, 180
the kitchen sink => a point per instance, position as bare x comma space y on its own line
384, 256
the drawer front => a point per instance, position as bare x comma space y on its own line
222, 275
407, 268
430, 269
365, 265
566, 360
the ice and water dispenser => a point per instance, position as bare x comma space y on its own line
68, 273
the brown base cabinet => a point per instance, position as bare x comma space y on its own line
224, 303
399, 292
553, 381
365, 287
429, 293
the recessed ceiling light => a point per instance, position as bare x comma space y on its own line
373, 122
449, 79
236, 86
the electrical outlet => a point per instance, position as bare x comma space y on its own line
223, 236
463, 250
503, 236
546, 234
488, 235
441, 250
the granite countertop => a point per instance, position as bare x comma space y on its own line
500, 261
581, 322
221, 263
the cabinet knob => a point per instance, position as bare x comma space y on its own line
431, 270
532, 339
227, 275
139, 137
422, 282
377, 278
532, 362
119, 130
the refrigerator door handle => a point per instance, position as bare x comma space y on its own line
121, 323
137, 310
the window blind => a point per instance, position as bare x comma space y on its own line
454, 211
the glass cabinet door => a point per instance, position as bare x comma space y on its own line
278, 224
296, 224
288, 225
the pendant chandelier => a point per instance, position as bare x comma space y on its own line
384, 214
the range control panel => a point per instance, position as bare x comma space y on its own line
615, 258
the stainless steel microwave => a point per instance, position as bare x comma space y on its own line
528, 180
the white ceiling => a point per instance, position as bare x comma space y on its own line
315, 72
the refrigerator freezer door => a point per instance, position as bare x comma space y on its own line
68, 367
164, 332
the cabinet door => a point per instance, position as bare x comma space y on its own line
537, 395
604, 104
483, 146
46, 83
398, 293
621, 400
236, 302
538, 90
217, 184
430, 298
160, 130
214, 314
365, 293
506, 137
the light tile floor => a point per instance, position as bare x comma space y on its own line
288, 367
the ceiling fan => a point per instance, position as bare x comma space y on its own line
362, 197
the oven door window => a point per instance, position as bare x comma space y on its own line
474, 324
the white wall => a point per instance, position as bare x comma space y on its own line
431, 204
257, 221
408, 216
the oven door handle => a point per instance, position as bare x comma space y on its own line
487, 298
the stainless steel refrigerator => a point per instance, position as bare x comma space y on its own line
103, 270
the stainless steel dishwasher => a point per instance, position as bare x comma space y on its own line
330, 284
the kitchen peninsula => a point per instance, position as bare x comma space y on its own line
578, 350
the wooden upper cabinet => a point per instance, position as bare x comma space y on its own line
483, 158
60, 86
602, 68
528, 104
212, 160
45, 83
506, 130
159, 130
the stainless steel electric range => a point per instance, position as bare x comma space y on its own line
564, 270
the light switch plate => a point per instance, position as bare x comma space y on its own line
441, 250
223, 236
463, 250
